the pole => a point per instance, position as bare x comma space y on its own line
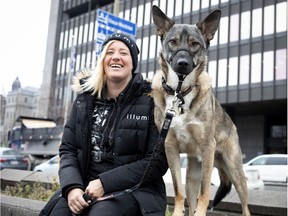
70, 72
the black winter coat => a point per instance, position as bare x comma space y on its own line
135, 135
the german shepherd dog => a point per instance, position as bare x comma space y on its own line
200, 127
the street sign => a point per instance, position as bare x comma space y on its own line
108, 23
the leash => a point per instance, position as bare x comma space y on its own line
158, 149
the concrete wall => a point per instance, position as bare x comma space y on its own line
261, 202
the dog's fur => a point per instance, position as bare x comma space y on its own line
202, 130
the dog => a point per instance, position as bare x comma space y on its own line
200, 127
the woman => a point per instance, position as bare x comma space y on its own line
109, 139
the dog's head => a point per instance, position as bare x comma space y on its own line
185, 46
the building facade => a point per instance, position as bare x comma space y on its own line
20, 101
247, 58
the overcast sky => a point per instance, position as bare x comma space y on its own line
23, 38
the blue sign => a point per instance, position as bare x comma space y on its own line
108, 23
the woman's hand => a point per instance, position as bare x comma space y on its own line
95, 189
76, 202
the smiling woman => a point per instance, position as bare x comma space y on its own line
23, 41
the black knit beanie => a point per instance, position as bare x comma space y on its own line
130, 43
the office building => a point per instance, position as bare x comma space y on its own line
247, 58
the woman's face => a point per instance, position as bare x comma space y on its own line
118, 62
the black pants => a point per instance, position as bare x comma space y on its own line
124, 205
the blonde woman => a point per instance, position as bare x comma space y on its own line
109, 138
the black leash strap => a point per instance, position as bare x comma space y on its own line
158, 149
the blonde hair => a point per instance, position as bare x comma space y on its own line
97, 80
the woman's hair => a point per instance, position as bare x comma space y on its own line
97, 80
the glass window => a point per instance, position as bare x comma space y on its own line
61, 40
281, 64
133, 15
140, 16
88, 65
256, 68
152, 47
77, 62
281, 17
233, 71
144, 51
260, 161
212, 72
234, 27
276, 161
205, 4
70, 38
214, 2
187, 6
223, 30
178, 9
85, 33
58, 71
80, 35
245, 25
65, 39
222, 73
268, 66
196, 5
91, 31
257, 22
63, 66
244, 69
83, 60
75, 35
269, 20
69, 64
147, 13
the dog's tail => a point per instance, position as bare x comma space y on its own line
223, 190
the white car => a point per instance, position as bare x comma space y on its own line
50, 166
272, 167
252, 175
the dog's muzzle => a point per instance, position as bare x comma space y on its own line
182, 63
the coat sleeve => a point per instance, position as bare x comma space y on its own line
69, 172
129, 175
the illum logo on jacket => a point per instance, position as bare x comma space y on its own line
137, 117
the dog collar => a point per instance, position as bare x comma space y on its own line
170, 91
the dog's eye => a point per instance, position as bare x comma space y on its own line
194, 44
172, 41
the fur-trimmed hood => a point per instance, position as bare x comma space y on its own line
78, 80
138, 83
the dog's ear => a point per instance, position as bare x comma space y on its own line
209, 26
162, 22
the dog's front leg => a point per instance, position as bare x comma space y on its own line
173, 158
193, 177
207, 152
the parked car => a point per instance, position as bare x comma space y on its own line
272, 167
12, 159
50, 166
252, 175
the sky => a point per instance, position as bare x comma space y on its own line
23, 38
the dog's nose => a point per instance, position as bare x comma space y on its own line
182, 62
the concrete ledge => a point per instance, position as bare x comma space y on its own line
261, 202
15, 206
